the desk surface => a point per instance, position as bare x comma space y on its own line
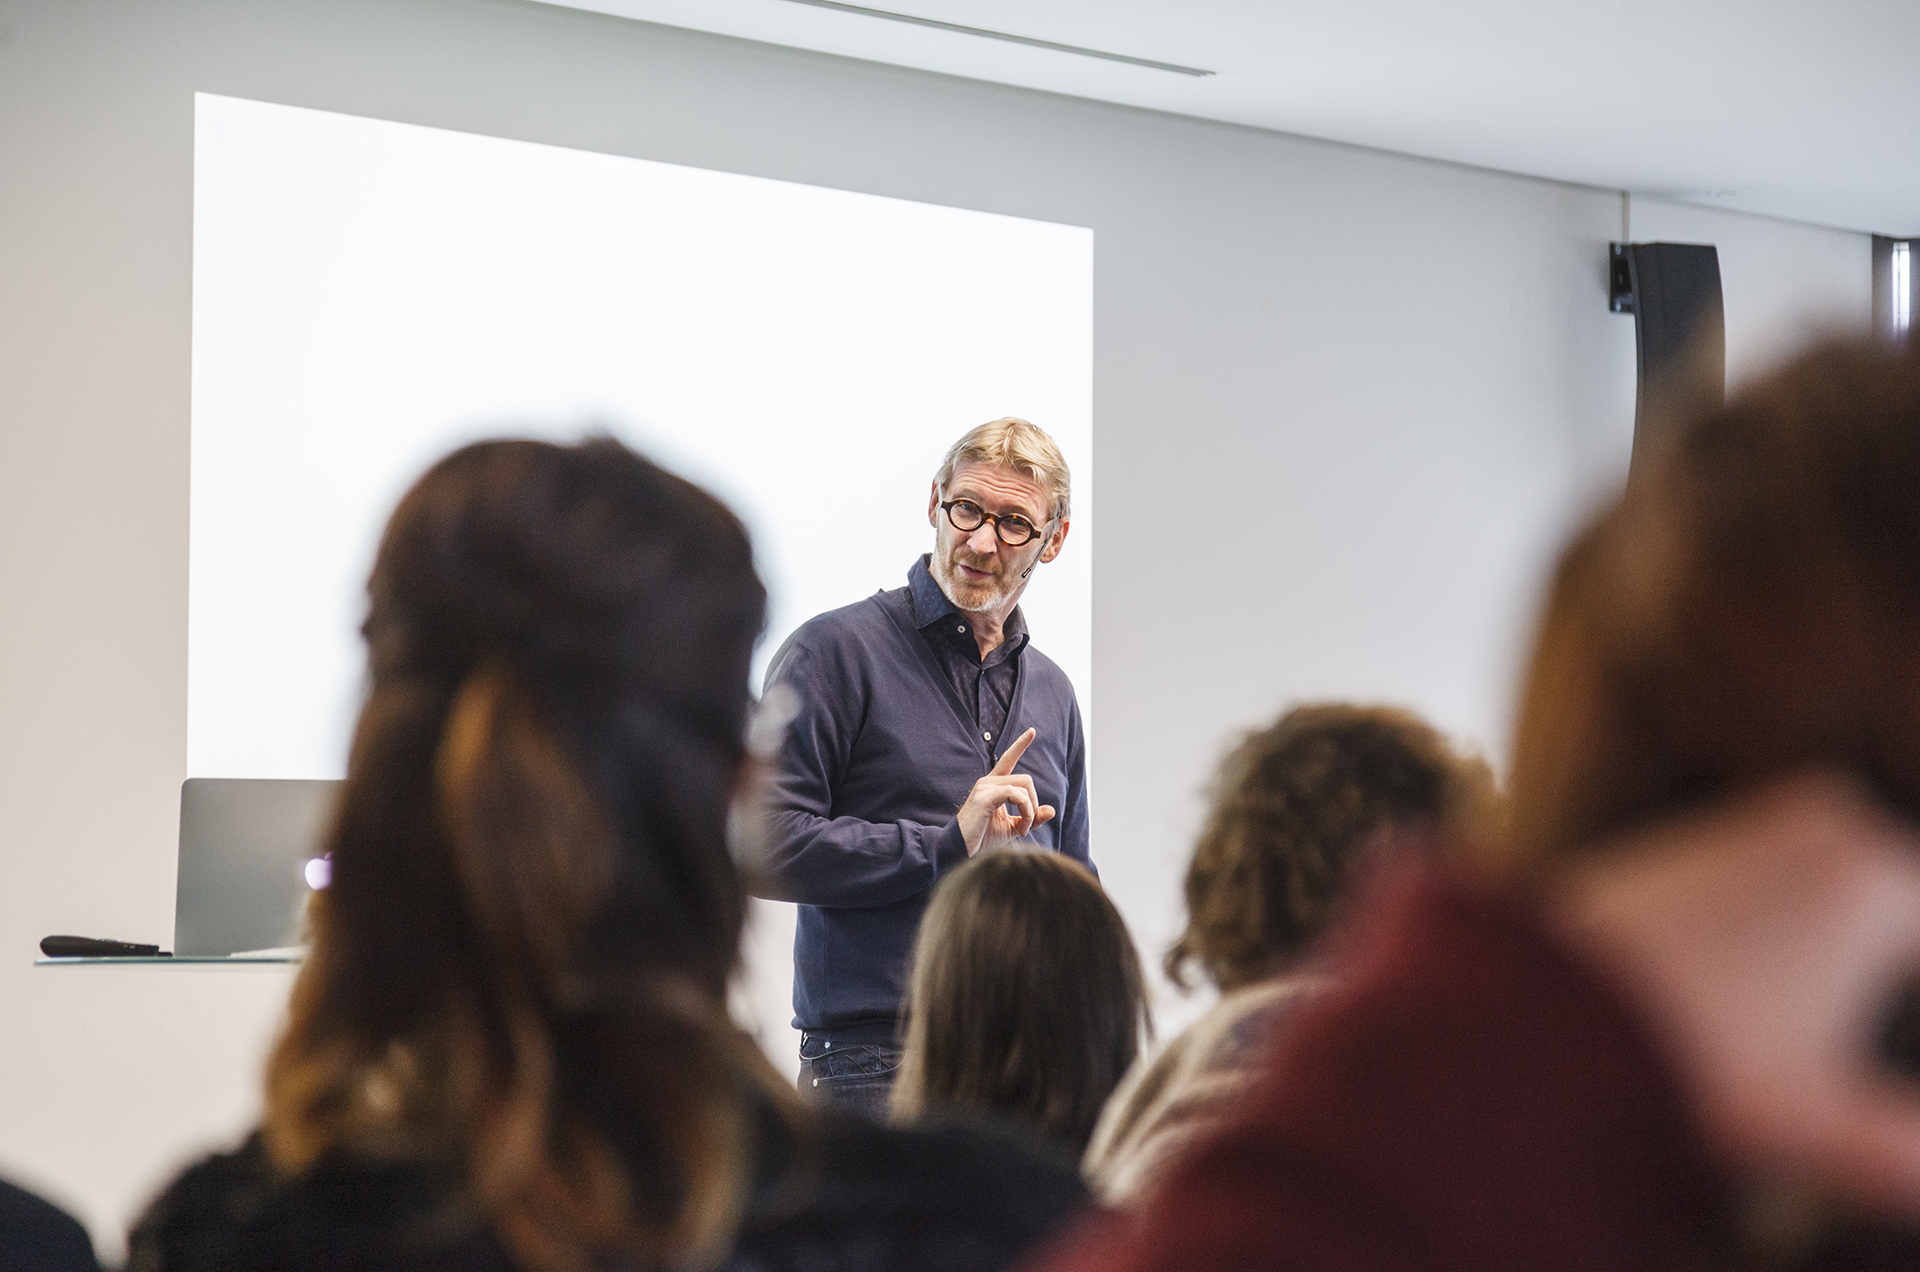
170, 960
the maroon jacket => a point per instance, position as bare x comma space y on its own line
1473, 1096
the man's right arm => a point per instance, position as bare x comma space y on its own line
810, 855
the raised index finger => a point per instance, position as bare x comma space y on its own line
1013, 754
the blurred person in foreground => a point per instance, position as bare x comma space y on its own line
508, 1047
1026, 1003
38, 1236
1644, 1033
1304, 813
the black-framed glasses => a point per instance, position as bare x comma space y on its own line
1013, 530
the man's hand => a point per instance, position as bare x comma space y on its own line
984, 820
1765, 939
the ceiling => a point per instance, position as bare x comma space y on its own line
1787, 108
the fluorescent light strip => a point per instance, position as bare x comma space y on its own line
1010, 38
1902, 287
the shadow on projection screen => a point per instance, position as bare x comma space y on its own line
369, 295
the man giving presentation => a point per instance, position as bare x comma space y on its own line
927, 729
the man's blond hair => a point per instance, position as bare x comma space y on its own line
1017, 444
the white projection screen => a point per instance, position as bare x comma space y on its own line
368, 295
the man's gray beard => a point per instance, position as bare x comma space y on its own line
943, 575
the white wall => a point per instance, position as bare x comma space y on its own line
1366, 392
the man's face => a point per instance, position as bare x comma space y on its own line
975, 569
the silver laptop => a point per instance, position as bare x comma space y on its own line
244, 849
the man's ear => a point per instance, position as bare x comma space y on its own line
933, 504
1058, 541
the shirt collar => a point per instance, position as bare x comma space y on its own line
930, 604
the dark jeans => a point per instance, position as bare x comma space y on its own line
857, 1076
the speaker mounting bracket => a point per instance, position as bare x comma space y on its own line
1619, 279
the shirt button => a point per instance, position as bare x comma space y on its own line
987, 736
961, 628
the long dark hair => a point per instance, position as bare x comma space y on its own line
519, 967
1026, 1002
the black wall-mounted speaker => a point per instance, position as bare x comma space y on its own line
1680, 330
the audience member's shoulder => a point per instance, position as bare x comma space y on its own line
233, 1211
859, 1196
1238, 1032
1168, 1103
38, 1236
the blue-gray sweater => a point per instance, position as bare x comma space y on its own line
877, 761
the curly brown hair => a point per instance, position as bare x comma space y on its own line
1295, 807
